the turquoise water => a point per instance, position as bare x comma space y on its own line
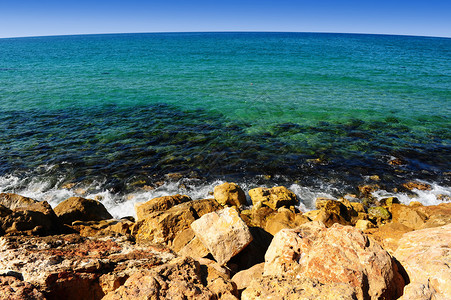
122, 111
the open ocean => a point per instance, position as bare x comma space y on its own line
129, 117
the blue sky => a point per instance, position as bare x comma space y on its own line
50, 17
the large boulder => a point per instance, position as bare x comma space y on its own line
81, 209
162, 227
36, 218
243, 278
274, 198
223, 232
408, 216
426, 256
159, 204
13, 201
336, 255
229, 193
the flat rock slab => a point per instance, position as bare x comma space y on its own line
223, 232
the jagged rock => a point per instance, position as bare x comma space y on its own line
284, 218
407, 216
289, 288
161, 227
13, 201
274, 198
229, 194
426, 256
340, 254
389, 201
358, 207
12, 288
243, 278
223, 232
70, 267
81, 209
143, 210
179, 279
259, 216
437, 215
104, 227
37, 218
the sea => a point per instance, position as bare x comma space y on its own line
124, 118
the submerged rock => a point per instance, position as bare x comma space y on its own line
81, 209
223, 232
229, 193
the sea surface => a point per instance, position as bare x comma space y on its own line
128, 117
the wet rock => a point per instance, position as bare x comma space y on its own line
389, 201
224, 233
289, 288
34, 219
243, 278
358, 207
274, 198
161, 227
13, 201
378, 212
416, 185
12, 288
158, 204
407, 216
336, 255
284, 218
229, 193
443, 197
367, 190
81, 209
426, 256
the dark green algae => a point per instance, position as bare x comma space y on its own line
124, 148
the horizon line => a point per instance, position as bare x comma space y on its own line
223, 31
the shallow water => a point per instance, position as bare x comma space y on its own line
113, 114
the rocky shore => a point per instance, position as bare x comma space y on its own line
180, 248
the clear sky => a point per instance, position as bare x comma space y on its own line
60, 17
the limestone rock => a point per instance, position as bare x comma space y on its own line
336, 255
194, 249
364, 225
388, 235
34, 219
274, 198
158, 204
379, 212
13, 201
426, 256
229, 194
223, 232
411, 185
182, 239
12, 288
81, 209
161, 227
104, 227
71, 267
437, 215
179, 279
243, 278
284, 218
290, 288
407, 216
